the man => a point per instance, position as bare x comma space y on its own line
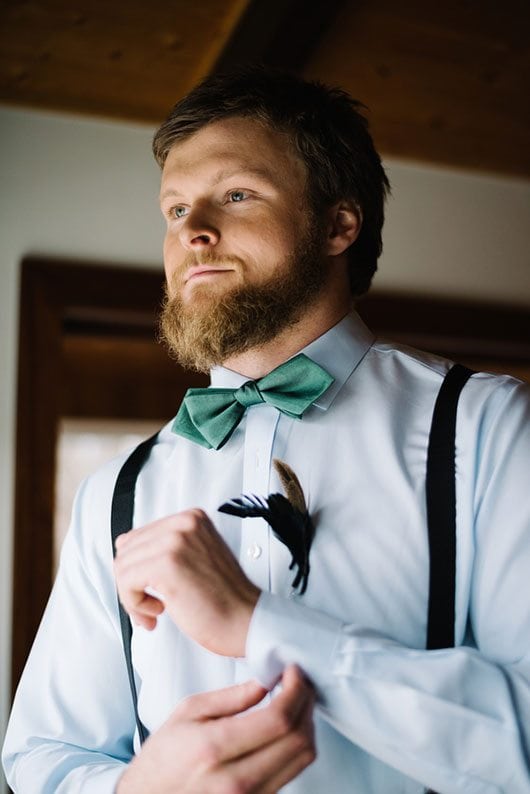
273, 196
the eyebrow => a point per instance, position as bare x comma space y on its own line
227, 173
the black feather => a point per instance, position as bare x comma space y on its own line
291, 526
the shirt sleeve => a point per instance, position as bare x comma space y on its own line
456, 720
72, 722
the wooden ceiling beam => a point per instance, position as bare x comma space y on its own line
280, 33
445, 82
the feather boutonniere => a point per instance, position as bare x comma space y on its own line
287, 516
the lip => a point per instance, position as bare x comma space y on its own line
204, 270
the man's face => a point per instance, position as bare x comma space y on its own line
242, 252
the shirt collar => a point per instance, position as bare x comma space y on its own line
339, 350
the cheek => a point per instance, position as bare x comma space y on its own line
276, 237
166, 251
278, 245
172, 252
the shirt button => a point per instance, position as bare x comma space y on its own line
254, 551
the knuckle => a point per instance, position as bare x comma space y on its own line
184, 523
229, 784
302, 741
185, 710
198, 514
189, 708
175, 541
282, 723
193, 517
209, 755
308, 756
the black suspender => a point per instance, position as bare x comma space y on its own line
441, 510
441, 519
121, 520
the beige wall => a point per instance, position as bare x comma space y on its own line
87, 189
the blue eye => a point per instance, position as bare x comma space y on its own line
237, 195
178, 212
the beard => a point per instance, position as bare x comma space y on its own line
208, 330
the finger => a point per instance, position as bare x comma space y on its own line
271, 767
121, 540
221, 703
161, 553
164, 566
288, 770
298, 757
161, 529
139, 542
150, 605
142, 579
293, 677
144, 621
146, 615
250, 732
143, 540
143, 608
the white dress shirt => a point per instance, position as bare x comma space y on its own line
392, 717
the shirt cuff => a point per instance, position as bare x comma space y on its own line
92, 779
282, 632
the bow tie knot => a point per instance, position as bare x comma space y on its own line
210, 416
249, 394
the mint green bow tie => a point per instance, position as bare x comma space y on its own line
210, 416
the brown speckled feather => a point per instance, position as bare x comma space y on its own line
291, 485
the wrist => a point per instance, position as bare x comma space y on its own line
127, 783
245, 617
121, 785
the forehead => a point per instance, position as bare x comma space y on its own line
236, 144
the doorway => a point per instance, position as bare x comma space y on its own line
91, 373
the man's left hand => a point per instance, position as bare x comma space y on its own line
181, 564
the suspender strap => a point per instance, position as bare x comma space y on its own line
441, 511
121, 520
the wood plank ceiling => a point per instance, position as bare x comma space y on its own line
445, 82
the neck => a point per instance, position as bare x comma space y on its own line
258, 362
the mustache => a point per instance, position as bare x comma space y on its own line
208, 258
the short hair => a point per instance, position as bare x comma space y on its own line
327, 130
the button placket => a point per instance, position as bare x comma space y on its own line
260, 427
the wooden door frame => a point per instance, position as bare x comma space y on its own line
54, 296
57, 296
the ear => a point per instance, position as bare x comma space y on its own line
344, 224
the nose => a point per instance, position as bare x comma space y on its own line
198, 230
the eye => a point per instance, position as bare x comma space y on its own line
177, 212
237, 195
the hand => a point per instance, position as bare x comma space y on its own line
207, 745
184, 560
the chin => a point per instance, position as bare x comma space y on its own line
205, 293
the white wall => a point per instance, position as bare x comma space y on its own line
87, 189
456, 233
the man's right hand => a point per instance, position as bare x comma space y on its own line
208, 745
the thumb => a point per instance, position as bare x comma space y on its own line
221, 702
